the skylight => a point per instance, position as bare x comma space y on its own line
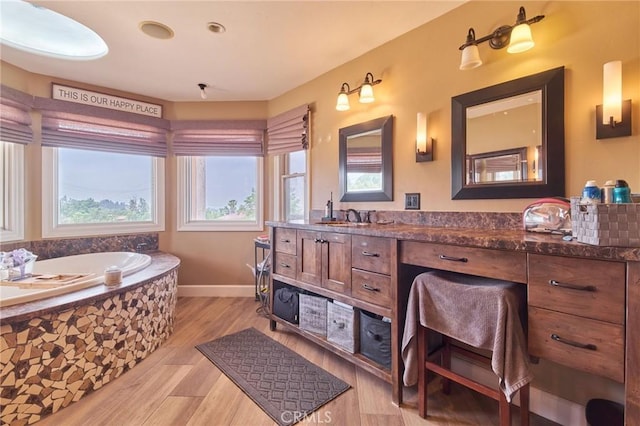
41, 31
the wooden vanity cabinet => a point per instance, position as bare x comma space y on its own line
285, 247
324, 259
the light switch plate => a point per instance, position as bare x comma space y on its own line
412, 201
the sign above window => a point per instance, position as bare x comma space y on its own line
87, 97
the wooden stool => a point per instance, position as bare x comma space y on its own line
424, 365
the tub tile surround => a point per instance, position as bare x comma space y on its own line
57, 350
52, 248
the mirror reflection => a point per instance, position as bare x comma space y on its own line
504, 140
365, 170
364, 161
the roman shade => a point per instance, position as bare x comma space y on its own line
15, 118
218, 137
364, 160
289, 131
69, 125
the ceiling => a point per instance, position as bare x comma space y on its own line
269, 47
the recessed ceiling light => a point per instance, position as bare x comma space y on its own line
41, 31
215, 27
156, 30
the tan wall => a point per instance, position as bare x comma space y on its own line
420, 73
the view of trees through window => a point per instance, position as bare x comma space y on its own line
225, 188
103, 187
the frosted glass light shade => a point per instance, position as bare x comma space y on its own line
421, 133
366, 94
343, 102
470, 57
612, 92
41, 31
521, 39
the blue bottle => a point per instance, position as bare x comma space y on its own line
621, 192
591, 193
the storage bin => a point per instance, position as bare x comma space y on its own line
606, 224
375, 338
342, 326
313, 314
286, 303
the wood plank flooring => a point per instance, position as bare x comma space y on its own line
176, 385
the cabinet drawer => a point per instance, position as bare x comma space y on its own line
285, 264
371, 253
605, 357
504, 265
285, 240
584, 287
371, 287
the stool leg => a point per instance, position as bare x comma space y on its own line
445, 360
422, 371
524, 405
504, 410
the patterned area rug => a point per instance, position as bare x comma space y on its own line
285, 385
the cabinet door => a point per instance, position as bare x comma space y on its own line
309, 257
336, 262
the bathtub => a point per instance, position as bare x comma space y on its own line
92, 264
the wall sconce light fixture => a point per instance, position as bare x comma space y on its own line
203, 92
517, 38
365, 91
424, 144
613, 117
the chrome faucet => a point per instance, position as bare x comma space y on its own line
141, 247
355, 213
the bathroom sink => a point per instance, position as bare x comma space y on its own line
343, 223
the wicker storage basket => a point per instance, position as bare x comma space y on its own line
342, 326
313, 314
606, 224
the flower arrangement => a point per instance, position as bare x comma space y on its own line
16, 264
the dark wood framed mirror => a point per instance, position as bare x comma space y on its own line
523, 118
366, 161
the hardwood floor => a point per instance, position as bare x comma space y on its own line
176, 385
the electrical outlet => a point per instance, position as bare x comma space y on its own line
412, 201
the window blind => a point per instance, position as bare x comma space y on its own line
364, 160
218, 137
69, 125
288, 131
15, 118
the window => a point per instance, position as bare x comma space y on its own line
220, 193
12, 192
96, 192
293, 180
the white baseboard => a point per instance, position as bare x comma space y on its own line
542, 403
216, 291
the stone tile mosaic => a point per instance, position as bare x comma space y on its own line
52, 360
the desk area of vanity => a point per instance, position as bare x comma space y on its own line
583, 300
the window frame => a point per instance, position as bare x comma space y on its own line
52, 229
13, 192
281, 173
184, 193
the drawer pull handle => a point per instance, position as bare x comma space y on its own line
284, 265
284, 240
320, 240
369, 288
369, 254
572, 286
572, 343
453, 259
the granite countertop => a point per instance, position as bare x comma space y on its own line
502, 239
161, 263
